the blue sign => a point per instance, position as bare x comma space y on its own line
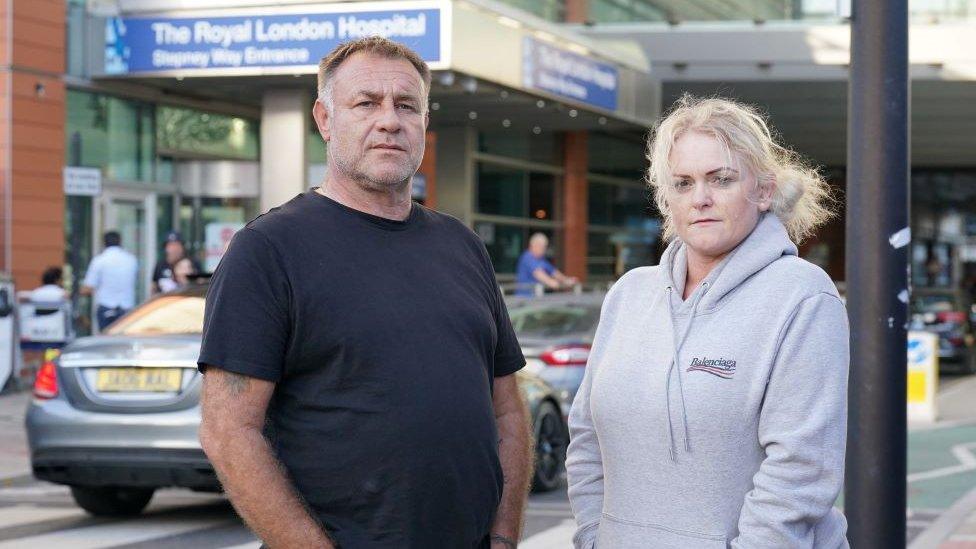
566, 74
153, 45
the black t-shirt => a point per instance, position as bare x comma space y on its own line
383, 338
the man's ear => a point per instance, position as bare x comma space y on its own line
321, 116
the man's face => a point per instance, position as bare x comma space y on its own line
174, 251
379, 116
538, 247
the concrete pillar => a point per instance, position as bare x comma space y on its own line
575, 215
285, 117
456, 172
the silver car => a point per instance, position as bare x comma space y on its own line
555, 332
116, 416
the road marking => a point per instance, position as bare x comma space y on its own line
107, 535
557, 537
962, 453
25, 514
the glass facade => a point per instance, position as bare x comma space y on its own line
623, 225
190, 132
114, 134
677, 11
516, 193
552, 10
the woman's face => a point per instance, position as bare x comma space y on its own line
714, 200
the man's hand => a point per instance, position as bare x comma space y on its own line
515, 452
233, 410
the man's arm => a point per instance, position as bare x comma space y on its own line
515, 452
233, 409
543, 278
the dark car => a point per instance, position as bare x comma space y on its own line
555, 332
116, 416
947, 314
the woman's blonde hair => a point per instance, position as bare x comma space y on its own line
800, 198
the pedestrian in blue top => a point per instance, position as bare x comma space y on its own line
533, 269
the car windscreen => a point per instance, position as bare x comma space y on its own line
554, 319
165, 315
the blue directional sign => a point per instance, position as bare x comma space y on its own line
567, 74
136, 45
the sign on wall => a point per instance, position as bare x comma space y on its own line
217, 238
265, 40
566, 74
82, 181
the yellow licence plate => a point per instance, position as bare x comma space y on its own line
142, 380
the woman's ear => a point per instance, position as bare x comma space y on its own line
767, 187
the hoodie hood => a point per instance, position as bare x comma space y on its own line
767, 242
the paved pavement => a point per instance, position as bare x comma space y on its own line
942, 471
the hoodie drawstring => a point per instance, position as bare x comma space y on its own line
678, 342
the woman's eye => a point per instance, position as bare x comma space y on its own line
682, 185
722, 182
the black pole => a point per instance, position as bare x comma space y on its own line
877, 272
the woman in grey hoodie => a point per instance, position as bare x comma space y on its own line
713, 411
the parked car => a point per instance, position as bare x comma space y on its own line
947, 314
556, 332
116, 416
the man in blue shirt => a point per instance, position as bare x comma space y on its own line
533, 269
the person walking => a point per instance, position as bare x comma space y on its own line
713, 409
358, 360
111, 278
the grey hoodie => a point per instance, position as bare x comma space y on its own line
717, 421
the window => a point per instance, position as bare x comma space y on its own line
545, 148
116, 135
515, 193
166, 315
197, 133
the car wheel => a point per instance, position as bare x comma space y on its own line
112, 501
550, 448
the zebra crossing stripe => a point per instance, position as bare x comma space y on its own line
107, 535
21, 514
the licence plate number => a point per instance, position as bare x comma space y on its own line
139, 380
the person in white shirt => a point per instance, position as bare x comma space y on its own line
51, 291
111, 278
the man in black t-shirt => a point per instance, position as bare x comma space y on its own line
359, 386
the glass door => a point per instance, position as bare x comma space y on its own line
133, 213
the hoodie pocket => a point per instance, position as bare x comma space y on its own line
619, 533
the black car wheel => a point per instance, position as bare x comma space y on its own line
112, 501
550, 448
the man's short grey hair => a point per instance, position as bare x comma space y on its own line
373, 45
538, 237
